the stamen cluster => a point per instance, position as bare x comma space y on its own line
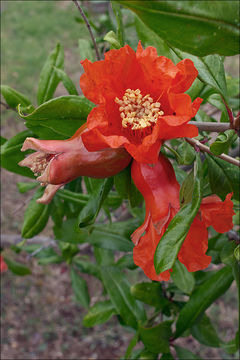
138, 111
39, 165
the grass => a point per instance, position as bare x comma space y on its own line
30, 30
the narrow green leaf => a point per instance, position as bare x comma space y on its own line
103, 256
156, 339
171, 241
148, 355
85, 50
205, 27
11, 154
202, 298
186, 190
122, 183
205, 332
58, 118
118, 290
70, 233
120, 29
223, 177
80, 289
67, 82
109, 240
89, 213
35, 217
17, 268
49, 79
13, 98
167, 357
182, 278
131, 346
184, 354
150, 293
87, 267
126, 261
99, 313
23, 187
223, 142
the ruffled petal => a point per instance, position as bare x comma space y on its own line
192, 252
143, 254
171, 132
186, 76
94, 140
104, 80
146, 154
182, 105
217, 213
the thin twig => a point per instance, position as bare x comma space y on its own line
89, 28
7, 106
211, 126
204, 148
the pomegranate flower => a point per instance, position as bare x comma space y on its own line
160, 189
3, 265
56, 162
140, 101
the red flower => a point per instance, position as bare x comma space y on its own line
160, 189
60, 161
3, 265
141, 101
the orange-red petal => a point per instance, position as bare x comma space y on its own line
217, 213
192, 253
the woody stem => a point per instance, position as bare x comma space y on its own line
211, 126
204, 148
89, 28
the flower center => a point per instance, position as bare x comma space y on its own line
138, 112
40, 163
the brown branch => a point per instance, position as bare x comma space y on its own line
7, 106
204, 148
211, 126
89, 28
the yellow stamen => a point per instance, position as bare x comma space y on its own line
138, 111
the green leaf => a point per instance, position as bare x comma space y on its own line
87, 267
198, 27
108, 240
237, 253
223, 142
182, 278
17, 268
70, 233
126, 261
172, 240
90, 211
231, 346
80, 289
186, 190
118, 14
13, 98
118, 290
11, 154
150, 293
223, 177
205, 332
58, 118
67, 82
103, 256
131, 346
150, 38
184, 354
2, 140
122, 183
167, 357
99, 313
156, 339
186, 154
148, 355
202, 298
85, 50
35, 217
49, 79
23, 187
112, 39
210, 70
